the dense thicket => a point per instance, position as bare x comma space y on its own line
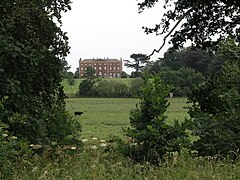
215, 116
32, 56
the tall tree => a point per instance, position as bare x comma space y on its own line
200, 21
32, 56
139, 61
196, 59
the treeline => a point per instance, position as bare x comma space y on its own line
109, 89
182, 70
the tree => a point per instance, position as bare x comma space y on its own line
32, 58
86, 86
196, 59
71, 81
201, 21
139, 61
89, 74
154, 137
214, 115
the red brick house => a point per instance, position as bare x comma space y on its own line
106, 68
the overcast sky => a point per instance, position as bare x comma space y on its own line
110, 28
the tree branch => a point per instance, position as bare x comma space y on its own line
170, 32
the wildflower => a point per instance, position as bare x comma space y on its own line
5, 135
103, 144
54, 143
94, 138
36, 146
94, 147
73, 148
133, 144
84, 140
102, 141
13, 137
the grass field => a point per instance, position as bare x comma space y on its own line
104, 117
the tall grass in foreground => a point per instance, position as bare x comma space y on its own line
98, 162
104, 163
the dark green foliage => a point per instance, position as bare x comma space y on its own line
71, 81
90, 74
106, 88
11, 146
196, 59
182, 81
86, 88
136, 87
215, 115
32, 61
204, 19
139, 62
154, 137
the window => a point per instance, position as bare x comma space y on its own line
114, 68
110, 68
105, 67
100, 67
118, 68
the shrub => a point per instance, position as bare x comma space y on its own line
135, 87
106, 88
152, 137
215, 115
11, 147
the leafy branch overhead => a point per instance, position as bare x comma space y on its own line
203, 22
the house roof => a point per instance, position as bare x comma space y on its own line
98, 59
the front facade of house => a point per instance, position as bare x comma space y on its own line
106, 68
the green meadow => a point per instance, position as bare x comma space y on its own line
105, 117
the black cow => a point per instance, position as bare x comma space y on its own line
78, 113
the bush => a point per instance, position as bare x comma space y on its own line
86, 88
215, 115
11, 147
135, 87
152, 137
106, 88
183, 80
